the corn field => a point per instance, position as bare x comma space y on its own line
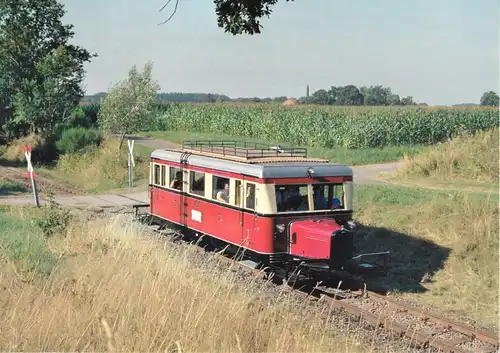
320, 126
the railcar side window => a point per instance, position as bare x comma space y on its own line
175, 178
157, 174
197, 183
163, 175
328, 196
291, 198
238, 184
250, 196
220, 189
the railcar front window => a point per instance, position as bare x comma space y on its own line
328, 196
291, 198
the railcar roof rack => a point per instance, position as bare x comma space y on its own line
243, 150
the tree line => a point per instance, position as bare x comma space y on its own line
352, 95
340, 96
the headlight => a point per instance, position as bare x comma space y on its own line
280, 228
352, 225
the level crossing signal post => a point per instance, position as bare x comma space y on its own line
30, 174
131, 163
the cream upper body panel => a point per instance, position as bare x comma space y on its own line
259, 196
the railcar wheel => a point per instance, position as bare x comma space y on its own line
216, 244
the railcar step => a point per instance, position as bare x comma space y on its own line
249, 263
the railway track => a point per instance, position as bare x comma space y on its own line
424, 330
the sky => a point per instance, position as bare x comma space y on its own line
441, 52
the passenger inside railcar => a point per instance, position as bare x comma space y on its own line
250, 198
320, 201
336, 204
176, 183
223, 195
327, 196
290, 198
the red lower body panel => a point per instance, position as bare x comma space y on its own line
217, 220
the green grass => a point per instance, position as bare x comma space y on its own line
8, 188
443, 244
23, 242
359, 156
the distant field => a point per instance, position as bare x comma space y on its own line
329, 127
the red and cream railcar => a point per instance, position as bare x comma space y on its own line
274, 202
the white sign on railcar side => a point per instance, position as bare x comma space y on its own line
196, 215
131, 163
30, 174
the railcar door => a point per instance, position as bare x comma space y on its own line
248, 215
183, 205
240, 203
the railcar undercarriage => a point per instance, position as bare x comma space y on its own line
282, 265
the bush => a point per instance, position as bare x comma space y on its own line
54, 221
78, 139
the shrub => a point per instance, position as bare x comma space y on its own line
55, 220
78, 139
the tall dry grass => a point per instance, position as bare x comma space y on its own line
102, 168
115, 289
447, 241
473, 158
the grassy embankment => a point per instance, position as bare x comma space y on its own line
467, 162
100, 284
444, 246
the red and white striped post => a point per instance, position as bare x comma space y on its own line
30, 174
131, 163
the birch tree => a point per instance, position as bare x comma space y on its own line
130, 104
